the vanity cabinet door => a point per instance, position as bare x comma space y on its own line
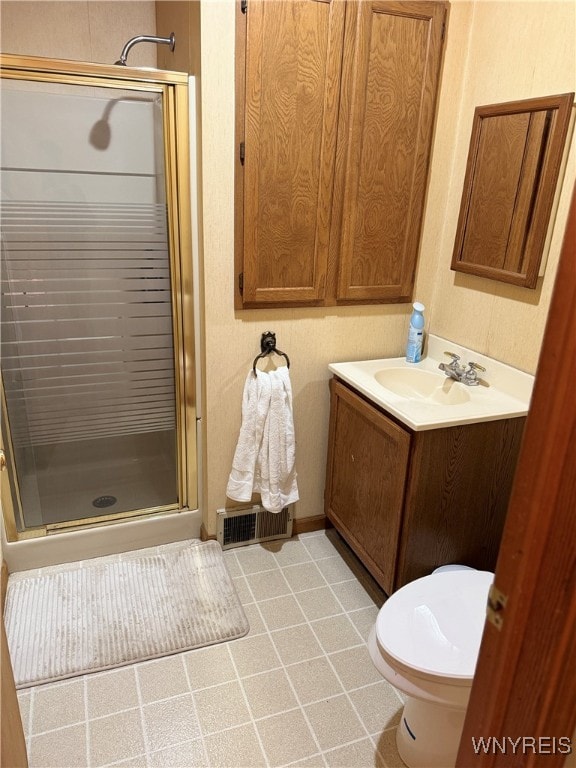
391, 69
366, 472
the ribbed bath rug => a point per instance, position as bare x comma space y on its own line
71, 619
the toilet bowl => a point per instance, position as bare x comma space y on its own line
425, 643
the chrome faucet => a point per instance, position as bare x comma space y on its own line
466, 375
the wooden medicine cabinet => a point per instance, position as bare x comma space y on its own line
514, 162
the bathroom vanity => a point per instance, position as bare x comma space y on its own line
410, 491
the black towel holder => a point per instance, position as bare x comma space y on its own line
268, 347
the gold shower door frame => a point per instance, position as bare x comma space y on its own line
173, 87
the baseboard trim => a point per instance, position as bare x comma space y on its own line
308, 524
205, 536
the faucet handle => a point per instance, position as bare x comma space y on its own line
454, 357
477, 367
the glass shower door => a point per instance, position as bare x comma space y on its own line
89, 322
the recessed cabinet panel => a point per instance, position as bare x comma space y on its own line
364, 498
514, 162
390, 77
293, 58
500, 155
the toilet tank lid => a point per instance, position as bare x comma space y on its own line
434, 625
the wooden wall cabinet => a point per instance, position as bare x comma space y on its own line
514, 162
335, 107
407, 502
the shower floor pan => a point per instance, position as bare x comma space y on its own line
92, 478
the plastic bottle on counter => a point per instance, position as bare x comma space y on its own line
415, 334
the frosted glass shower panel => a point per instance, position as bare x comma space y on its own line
87, 323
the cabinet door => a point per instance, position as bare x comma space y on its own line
457, 496
391, 65
292, 82
366, 472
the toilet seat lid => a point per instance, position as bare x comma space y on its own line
433, 626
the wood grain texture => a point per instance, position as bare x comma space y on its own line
293, 56
308, 524
499, 159
335, 104
458, 491
408, 502
183, 18
514, 160
392, 56
539, 126
239, 120
368, 455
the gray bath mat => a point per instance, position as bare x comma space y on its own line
67, 620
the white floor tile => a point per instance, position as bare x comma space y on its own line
298, 690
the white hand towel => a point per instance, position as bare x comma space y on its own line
277, 481
264, 460
255, 407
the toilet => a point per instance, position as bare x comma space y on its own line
425, 643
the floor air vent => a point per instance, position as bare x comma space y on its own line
237, 527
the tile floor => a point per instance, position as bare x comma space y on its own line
298, 690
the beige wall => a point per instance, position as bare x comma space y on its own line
81, 30
495, 52
515, 50
311, 337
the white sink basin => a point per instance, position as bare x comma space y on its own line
423, 397
416, 383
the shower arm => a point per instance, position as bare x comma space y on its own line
171, 41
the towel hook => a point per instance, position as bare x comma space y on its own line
268, 347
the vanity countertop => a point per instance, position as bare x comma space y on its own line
422, 397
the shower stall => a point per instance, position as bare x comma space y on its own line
96, 318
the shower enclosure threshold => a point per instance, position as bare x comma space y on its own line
103, 540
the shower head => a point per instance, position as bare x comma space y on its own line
171, 41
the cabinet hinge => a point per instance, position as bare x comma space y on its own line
242, 152
496, 603
243, 5
241, 283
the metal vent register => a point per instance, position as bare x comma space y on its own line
237, 527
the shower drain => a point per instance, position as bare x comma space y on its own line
104, 501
